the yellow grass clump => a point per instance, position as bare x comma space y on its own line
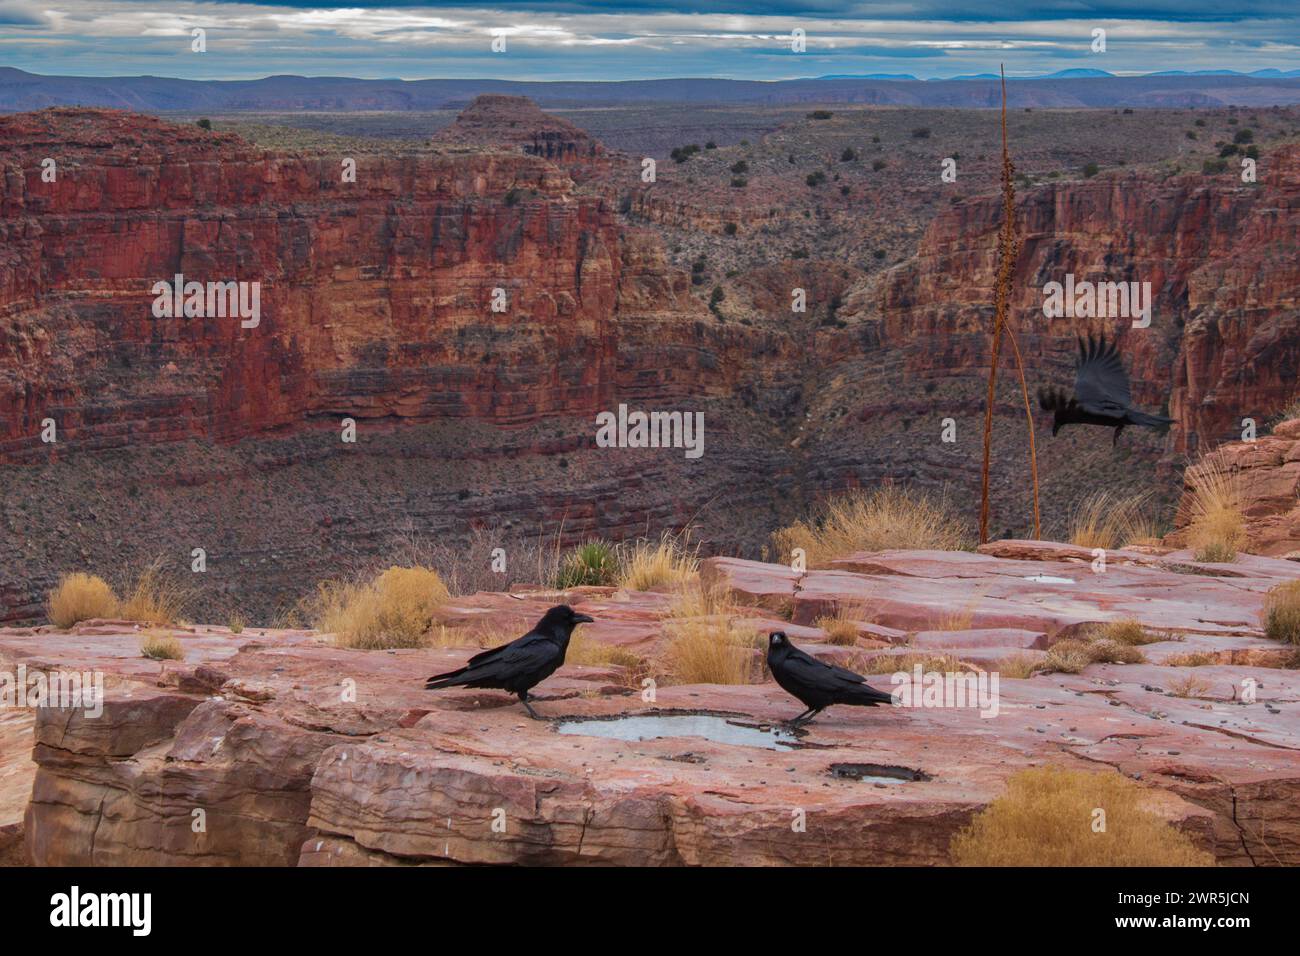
80, 597
154, 599
395, 609
1020, 666
1196, 659
1216, 528
887, 518
1049, 816
160, 647
1282, 613
706, 643
876, 664
670, 561
1127, 630
589, 651
1189, 685
842, 627
1072, 654
1107, 520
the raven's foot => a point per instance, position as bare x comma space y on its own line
531, 713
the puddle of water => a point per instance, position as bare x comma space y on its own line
1049, 579
877, 773
652, 727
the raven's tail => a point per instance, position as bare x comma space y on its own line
449, 679
1150, 421
867, 696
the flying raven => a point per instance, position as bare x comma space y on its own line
815, 683
523, 663
1101, 393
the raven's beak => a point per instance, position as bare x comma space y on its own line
583, 619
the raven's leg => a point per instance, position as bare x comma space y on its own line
1118, 428
795, 720
523, 699
815, 712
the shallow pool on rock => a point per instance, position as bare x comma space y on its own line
651, 727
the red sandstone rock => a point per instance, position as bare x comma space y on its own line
263, 735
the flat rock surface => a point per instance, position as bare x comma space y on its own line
292, 750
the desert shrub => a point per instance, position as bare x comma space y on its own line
1196, 659
881, 663
236, 623
161, 647
1090, 170
203, 123
468, 564
921, 132
671, 560
394, 609
587, 650
590, 564
1071, 655
80, 597
1046, 815
1216, 524
820, 114
889, 517
815, 179
848, 155
1282, 613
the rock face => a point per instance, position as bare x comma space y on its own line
1224, 339
515, 122
297, 751
1268, 470
376, 296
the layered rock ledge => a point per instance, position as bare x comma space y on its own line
279, 748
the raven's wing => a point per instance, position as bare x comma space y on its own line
1100, 382
531, 651
494, 652
805, 667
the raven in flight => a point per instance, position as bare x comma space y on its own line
815, 683
1101, 393
523, 663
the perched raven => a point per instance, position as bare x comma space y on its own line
1101, 393
817, 684
523, 663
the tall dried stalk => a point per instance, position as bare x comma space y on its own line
1008, 249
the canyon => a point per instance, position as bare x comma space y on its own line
377, 307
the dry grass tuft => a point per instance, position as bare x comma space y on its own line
395, 609
1073, 654
81, 597
161, 647
154, 598
1282, 613
1189, 660
671, 561
889, 517
589, 651
1216, 524
236, 623
1106, 520
842, 628
1188, 685
1127, 630
1047, 818
1020, 666
707, 644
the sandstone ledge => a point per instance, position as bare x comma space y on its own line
261, 733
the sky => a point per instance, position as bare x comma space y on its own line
587, 40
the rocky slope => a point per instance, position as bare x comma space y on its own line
376, 305
299, 752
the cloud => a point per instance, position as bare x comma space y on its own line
582, 39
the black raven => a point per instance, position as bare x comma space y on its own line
1101, 393
815, 683
523, 663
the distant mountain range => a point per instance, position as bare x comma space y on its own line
1082, 88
